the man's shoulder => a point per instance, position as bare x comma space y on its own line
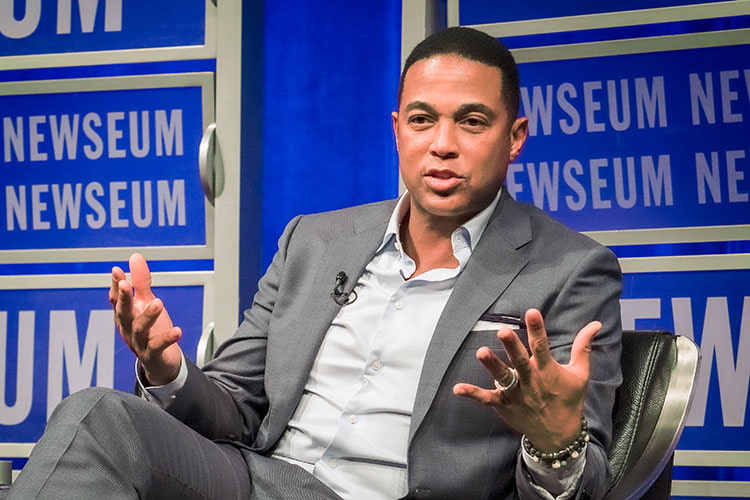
323, 226
546, 229
552, 245
376, 212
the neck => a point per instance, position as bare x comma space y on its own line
428, 244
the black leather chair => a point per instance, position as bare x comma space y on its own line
659, 371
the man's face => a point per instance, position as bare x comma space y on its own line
454, 137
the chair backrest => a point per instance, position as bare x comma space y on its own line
659, 370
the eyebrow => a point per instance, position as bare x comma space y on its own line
462, 111
465, 109
421, 105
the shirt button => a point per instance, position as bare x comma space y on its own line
353, 419
377, 366
333, 463
399, 306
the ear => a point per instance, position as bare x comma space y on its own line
519, 131
394, 123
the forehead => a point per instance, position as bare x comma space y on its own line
451, 77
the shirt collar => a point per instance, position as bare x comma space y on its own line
472, 229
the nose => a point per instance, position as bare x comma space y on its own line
444, 142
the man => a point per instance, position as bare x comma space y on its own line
394, 383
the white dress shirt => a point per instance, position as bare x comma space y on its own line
351, 426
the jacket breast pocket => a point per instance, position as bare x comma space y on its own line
482, 338
466, 368
478, 338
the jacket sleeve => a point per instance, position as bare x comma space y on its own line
227, 399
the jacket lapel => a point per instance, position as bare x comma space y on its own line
350, 252
496, 260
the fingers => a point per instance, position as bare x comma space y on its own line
137, 330
496, 368
580, 354
518, 357
140, 275
124, 303
143, 321
482, 396
121, 296
157, 343
114, 289
148, 317
538, 341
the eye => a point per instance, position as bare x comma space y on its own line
420, 121
474, 123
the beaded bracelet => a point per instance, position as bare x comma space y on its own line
560, 458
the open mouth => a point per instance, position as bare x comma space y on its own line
441, 180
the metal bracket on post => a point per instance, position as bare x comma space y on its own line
205, 351
210, 164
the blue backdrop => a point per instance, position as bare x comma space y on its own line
331, 74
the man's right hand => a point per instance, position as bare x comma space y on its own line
144, 323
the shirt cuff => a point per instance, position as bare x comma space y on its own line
556, 484
162, 395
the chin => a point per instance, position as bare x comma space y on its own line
451, 209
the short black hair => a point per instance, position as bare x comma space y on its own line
476, 46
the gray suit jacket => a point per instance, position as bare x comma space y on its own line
457, 448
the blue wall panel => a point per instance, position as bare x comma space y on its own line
492, 11
331, 73
104, 168
49, 27
73, 345
638, 141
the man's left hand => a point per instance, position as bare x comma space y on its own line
547, 402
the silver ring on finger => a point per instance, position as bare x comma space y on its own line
510, 385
